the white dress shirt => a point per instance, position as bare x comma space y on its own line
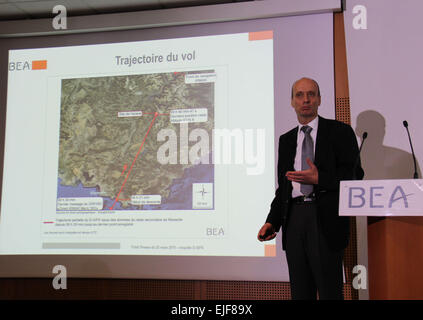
297, 163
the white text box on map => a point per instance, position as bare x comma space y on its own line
83, 203
143, 199
188, 115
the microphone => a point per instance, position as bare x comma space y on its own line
416, 176
358, 155
362, 141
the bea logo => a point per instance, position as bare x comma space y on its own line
377, 197
28, 65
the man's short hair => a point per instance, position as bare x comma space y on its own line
315, 82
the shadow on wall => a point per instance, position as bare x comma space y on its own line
380, 161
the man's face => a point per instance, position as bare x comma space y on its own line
305, 99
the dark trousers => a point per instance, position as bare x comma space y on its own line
313, 267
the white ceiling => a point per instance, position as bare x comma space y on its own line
33, 9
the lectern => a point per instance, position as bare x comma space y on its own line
395, 233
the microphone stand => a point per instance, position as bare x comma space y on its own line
415, 176
358, 155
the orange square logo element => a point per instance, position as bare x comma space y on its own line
39, 64
270, 250
260, 35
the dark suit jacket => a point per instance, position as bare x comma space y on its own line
335, 158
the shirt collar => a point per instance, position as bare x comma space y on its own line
312, 124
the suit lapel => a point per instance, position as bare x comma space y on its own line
321, 141
291, 148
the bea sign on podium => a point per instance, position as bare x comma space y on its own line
381, 198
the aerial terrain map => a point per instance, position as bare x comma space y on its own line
109, 129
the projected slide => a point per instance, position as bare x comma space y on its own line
161, 147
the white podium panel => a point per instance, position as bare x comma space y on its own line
381, 198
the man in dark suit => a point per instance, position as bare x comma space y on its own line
313, 158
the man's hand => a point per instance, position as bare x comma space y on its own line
309, 176
266, 233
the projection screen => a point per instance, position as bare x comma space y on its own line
151, 153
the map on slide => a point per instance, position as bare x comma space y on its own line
109, 145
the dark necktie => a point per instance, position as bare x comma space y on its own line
307, 151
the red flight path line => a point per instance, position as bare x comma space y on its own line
135, 159
125, 166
